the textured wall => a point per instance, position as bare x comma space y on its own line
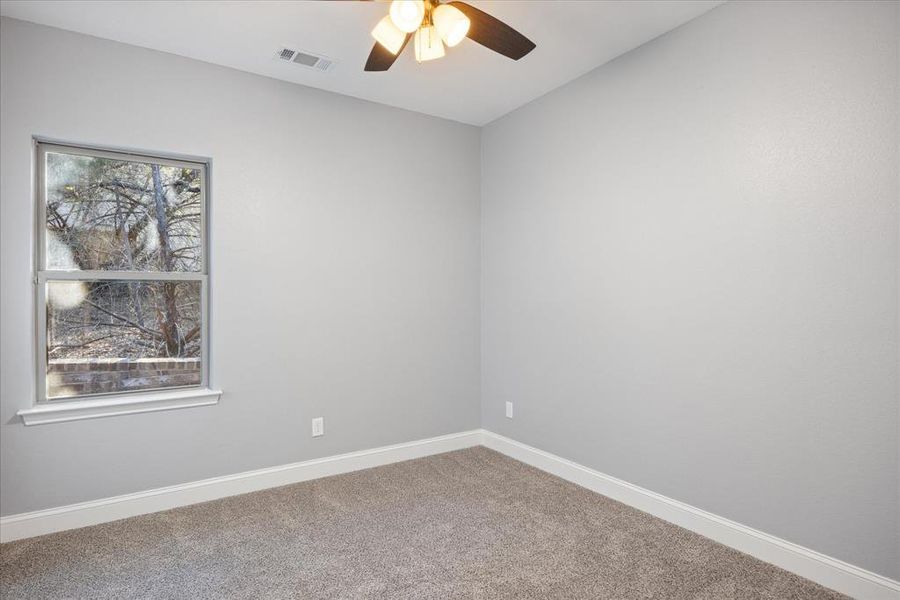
339, 288
690, 271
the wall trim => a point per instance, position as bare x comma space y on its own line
825, 570
61, 411
94, 512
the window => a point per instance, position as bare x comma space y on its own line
121, 273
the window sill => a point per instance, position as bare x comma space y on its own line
76, 410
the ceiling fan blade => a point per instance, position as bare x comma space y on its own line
494, 34
381, 59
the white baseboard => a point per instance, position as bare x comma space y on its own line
83, 514
830, 572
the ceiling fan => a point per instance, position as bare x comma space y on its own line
432, 24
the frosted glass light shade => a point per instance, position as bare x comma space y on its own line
407, 15
428, 44
387, 34
451, 23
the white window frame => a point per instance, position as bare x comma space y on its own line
46, 410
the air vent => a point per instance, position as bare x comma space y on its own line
286, 54
306, 59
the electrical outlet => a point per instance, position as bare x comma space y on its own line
509, 410
318, 426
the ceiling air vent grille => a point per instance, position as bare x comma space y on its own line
286, 54
306, 59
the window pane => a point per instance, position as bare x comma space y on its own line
116, 336
118, 215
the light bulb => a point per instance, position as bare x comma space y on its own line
451, 24
387, 34
428, 44
407, 15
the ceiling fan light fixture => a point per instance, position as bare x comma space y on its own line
451, 23
433, 23
428, 44
407, 15
387, 34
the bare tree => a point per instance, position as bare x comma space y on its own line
168, 316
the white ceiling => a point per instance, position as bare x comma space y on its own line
471, 84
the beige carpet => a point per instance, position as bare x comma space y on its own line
467, 524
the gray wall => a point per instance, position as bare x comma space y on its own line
690, 271
340, 286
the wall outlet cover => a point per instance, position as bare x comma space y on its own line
509, 410
318, 426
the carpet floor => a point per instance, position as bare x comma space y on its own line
466, 524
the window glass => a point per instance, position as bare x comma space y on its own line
122, 281
121, 215
119, 336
